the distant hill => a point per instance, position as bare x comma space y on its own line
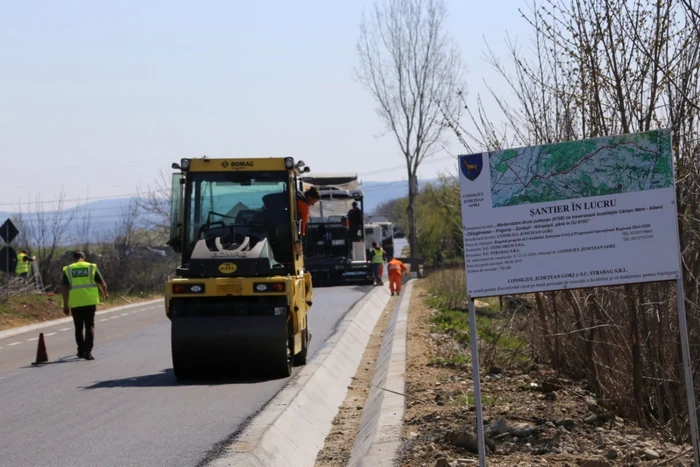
105, 215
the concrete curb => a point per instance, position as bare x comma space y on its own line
33, 327
292, 428
378, 438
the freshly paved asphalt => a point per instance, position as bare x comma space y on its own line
126, 408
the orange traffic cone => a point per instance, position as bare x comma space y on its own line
41, 355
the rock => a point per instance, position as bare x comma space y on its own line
566, 423
442, 462
466, 438
549, 424
413, 435
550, 396
591, 403
521, 430
611, 454
498, 427
651, 454
592, 418
463, 439
504, 437
508, 447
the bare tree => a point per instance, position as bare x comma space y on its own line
412, 68
154, 208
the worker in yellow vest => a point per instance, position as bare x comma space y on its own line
378, 256
82, 283
23, 260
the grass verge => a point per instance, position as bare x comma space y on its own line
501, 341
32, 308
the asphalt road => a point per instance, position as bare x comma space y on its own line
125, 408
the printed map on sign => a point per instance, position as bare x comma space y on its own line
579, 169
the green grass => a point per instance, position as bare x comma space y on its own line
500, 345
467, 398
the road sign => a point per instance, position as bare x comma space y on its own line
8, 231
570, 215
8, 259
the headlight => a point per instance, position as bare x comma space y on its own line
338, 242
289, 162
184, 164
269, 287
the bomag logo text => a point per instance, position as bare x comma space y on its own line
227, 268
237, 164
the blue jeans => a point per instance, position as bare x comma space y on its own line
375, 272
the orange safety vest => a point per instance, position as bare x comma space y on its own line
303, 208
395, 267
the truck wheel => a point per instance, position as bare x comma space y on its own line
300, 358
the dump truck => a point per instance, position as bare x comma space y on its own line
241, 294
335, 245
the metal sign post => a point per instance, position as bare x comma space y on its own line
685, 348
477, 383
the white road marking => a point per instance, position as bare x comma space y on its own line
51, 334
103, 320
114, 317
14, 343
124, 314
64, 329
33, 339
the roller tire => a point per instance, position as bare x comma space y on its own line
184, 368
285, 362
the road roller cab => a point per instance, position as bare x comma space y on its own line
240, 294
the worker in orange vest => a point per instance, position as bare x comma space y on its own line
396, 269
304, 200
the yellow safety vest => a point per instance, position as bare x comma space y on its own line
83, 288
378, 256
22, 265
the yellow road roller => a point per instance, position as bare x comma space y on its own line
240, 294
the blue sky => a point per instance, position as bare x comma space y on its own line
96, 98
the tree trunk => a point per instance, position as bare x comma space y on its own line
412, 235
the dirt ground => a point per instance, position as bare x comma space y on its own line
32, 308
531, 416
338, 445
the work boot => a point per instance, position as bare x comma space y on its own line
88, 356
81, 354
